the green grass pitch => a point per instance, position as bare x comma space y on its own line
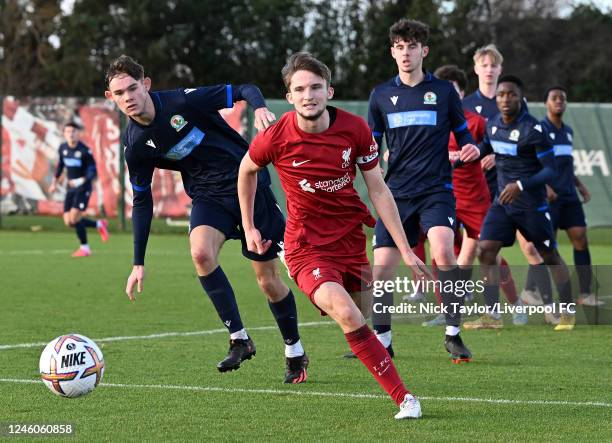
525, 383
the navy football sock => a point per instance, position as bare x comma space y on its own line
81, 232
381, 320
285, 314
542, 282
451, 301
565, 292
88, 223
530, 283
218, 288
582, 260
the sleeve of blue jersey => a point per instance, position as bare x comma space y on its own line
91, 171
457, 119
485, 146
545, 153
60, 164
141, 173
375, 120
217, 97
248, 92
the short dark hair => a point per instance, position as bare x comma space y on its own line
452, 73
74, 125
409, 30
304, 61
124, 64
554, 88
509, 78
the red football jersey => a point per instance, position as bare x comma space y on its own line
469, 183
317, 172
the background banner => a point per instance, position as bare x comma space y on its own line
32, 132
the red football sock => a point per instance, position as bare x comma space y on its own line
506, 282
375, 357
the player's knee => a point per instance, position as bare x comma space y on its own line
203, 257
271, 285
486, 256
579, 240
348, 316
443, 255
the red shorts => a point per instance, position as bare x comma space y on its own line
344, 262
472, 219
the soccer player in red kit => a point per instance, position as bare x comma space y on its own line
316, 150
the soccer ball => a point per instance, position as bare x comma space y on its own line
71, 365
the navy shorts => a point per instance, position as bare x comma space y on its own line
567, 214
77, 198
419, 213
223, 214
501, 224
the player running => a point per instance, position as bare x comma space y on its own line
80, 167
525, 163
316, 150
416, 112
565, 206
182, 130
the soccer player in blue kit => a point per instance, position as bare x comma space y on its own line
80, 167
182, 130
565, 206
488, 63
525, 163
416, 113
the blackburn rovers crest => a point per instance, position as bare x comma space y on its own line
178, 122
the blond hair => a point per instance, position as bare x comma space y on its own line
490, 50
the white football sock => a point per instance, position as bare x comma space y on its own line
452, 330
384, 338
85, 247
239, 335
294, 350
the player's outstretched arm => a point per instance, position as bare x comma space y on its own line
136, 278
247, 187
385, 206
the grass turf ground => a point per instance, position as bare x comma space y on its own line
526, 383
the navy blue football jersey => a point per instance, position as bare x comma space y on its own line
189, 135
78, 161
484, 106
480, 104
522, 152
416, 122
562, 141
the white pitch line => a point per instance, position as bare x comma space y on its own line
331, 394
166, 334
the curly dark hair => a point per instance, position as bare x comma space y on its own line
409, 31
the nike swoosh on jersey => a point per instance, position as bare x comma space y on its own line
296, 164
